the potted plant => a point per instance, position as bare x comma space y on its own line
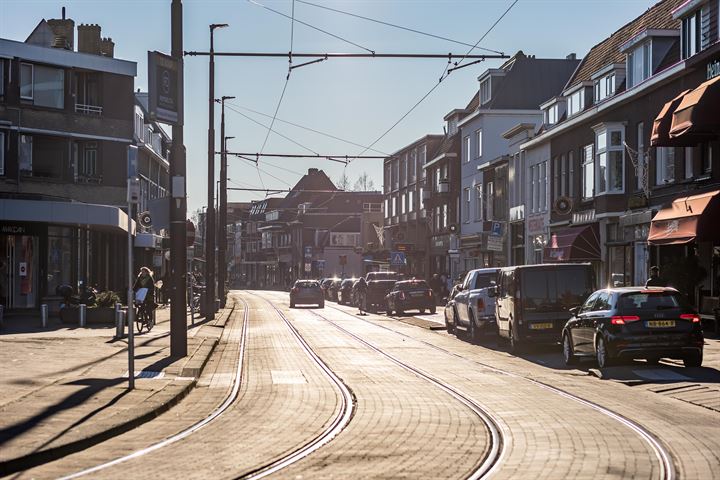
104, 309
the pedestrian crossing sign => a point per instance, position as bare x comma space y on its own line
397, 258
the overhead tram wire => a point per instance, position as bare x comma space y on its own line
397, 26
349, 142
443, 77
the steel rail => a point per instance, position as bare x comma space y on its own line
347, 410
497, 448
667, 469
232, 396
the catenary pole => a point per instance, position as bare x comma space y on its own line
178, 203
222, 241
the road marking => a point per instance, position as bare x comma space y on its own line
660, 375
287, 377
146, 374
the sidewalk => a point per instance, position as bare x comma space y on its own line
64, 388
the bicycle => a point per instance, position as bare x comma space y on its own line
144, 317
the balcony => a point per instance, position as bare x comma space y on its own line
88, 109
443, 187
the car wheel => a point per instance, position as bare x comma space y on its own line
693, 359
400, 313
472, 330
568, 351
321, 304
433, 309
601, 353
422, 311
292, 305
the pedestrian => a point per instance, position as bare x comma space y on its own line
655, 279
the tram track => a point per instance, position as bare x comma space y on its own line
663, 456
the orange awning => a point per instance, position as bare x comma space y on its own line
696, 118
661, 126
687, 219
574, 244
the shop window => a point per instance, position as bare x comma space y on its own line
59, 257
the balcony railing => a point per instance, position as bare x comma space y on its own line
88, 109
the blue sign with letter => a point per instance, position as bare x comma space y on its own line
397, 258
496, 229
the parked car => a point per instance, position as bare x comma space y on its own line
634, 322
379, 285
325, 285
408, 295
471, 309
533, 301
334, 289
345, 291
307, 292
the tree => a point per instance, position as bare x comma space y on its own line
343, 183
364, 183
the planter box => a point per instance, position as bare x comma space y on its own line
95, 315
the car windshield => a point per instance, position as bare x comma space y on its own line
649, 301
556, 290
307, 284
484, 281
382, 276
419, 285
348, 282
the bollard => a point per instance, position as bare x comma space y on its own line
44, 315
119, 324
83, 315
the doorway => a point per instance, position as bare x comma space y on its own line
19, 271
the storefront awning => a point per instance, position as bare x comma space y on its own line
575, 244
101, 217
661, 125
687, 219
696, 118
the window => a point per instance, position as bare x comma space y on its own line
588, 173
533, 188
638, 65
89, 161
543, 186
576, 102
444, 215
2, 77
707, 159
466, 206
489, 201
610, 158
2, 153
688, 162
387, 210
485, 91
571, 174
604, 87
403, 171
387, 180
478, 138
26, 81
664, 165
551, 115
412, 164
556, 167
422, 159
640, 170
691, 35
478, 202
396, 174
394, 206
25, 154
467, 148
411, 201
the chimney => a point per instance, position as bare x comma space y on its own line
107, 47
89, 39
571, 56
64, 30
313, 171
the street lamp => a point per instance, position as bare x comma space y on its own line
210, 220
222, 244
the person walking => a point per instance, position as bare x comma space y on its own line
655, 279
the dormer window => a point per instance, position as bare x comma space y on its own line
691, 35
553, 110
551, 115
576, 102
485, 91
604, 87
638, 64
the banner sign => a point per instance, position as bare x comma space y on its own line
164, 89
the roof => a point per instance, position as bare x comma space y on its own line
659, 16
529, 81
449, 144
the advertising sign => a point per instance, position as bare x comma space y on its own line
164, 89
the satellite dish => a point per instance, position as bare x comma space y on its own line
145, 220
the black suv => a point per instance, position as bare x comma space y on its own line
410, 294
379, 285
634, 322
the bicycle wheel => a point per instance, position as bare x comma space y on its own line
140, 319
150, 321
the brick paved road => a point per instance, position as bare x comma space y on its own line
404, 427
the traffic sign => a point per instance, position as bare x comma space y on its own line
397, 258
496, 229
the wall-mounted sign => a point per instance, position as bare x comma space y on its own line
164, 89
713, 69
22, 269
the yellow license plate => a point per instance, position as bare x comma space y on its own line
660, 323
540, 326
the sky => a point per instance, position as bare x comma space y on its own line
356, 100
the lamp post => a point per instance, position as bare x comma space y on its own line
210, 217
222, 241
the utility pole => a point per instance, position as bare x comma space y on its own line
210, 215
178, 203
222, 241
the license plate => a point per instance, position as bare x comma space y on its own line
417, 294
660, 323
540, 326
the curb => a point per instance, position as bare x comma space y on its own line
34, 459
422, 323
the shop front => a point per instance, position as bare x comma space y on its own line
575, 245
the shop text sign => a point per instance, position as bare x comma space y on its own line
713, 69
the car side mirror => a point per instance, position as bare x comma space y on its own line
574, 310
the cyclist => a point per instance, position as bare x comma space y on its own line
145, 280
